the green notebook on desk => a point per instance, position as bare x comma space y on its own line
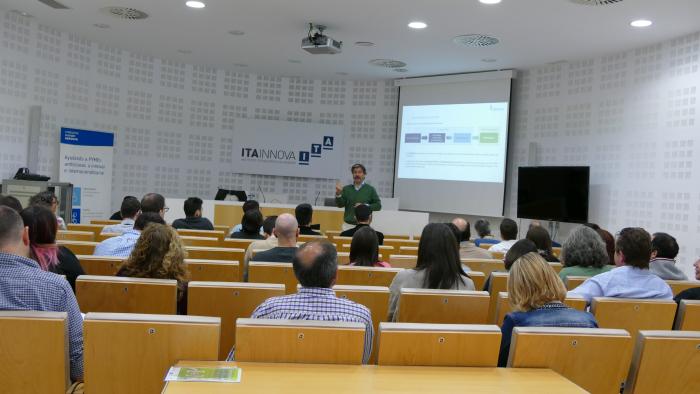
214, 374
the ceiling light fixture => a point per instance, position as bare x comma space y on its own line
185, 51
489, 2
641, 23
489, 60
364, 44
195, 4
417, 25
236, 32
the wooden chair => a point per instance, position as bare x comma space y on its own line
573, 282
487, 266
299, 341
75, 235
219, 235
556, 266
595, 359
228, 301
210, 242
556, 251
78, 247
102, 236
344, 258
398, 243
688, 316
485, 246
499, 283
34, 348
634, 314
375, 298
307, 238
262, 272
478, 278
498, 255
383, 249
408, 250
366, 276
339, 241
440, 345
503, 306
100, 265
213, 270
93, 228
394, 236
331, 233
126, 295
237, 243
207, 253
225, 229
665, 362
402, 261
442, 306
131, 353
679, 285
105, 222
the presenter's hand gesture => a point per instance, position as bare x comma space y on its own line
338, 188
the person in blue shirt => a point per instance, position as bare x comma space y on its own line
536, 295
121, 246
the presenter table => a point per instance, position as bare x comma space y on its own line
311, 378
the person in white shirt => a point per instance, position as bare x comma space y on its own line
509, 235
631, 278
129, 210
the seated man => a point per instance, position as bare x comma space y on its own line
694, 292
118, 215
468, 250
316, 267
251, 224
483, 233
129, 210
122, 245
249, 205
286, 231
12, 202
304, 214
631, 278
664, 250
509, 235
363, 216
268, 243
25, 286
154, 202
193, 219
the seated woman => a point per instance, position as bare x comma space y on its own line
540, 236
250, 225
42, 226
584, 254
536, 296
364, 249
519, 249
159, 254
437, 267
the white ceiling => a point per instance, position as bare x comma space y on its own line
532, 32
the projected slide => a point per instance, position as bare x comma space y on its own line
454, 142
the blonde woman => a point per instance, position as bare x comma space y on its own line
536, 295
159, 254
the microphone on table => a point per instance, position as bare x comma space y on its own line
317, 196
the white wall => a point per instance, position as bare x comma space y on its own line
174, 122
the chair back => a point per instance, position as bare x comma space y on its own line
366, 276
75, 235
213, 270
679, 285
262, 272
634, 314
126, 295
402, 261
220, 235
499, 283
487, 266
573, 281
93, 228
78, 247
210, 253
442, 306
688, 316
375, 298
100, 265
210, 242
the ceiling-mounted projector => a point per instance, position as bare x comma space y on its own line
316, 43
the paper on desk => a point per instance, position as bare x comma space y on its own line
222, 374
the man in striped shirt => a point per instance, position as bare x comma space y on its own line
316, 266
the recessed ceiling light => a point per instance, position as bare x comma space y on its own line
294, 61
195, 4
417, 25
236, 32
364, 44
641, 23
101, 25
185, 51
489, 1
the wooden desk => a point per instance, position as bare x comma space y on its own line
310, 378
230, 213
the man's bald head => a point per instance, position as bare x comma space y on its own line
463, 227
286, 228
316, 264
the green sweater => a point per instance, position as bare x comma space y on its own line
349, 197
577, 270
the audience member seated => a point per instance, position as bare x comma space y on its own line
304, 214
122, 245
193, 219
437, 266
25, 286
154, 202
364, 249
10, 201
632, 278
519, 249
251, 222
536, 223
583, 254
249, 205
664, 250
49, 200
129, 210
537, 298
286, 231
692, 293
609, 245
483, 231
468, 250
118, 215
268, 243
42, 244
509, 234
316, 266
159, 254
540, 236
363, 216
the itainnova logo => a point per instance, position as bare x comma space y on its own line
284, 155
